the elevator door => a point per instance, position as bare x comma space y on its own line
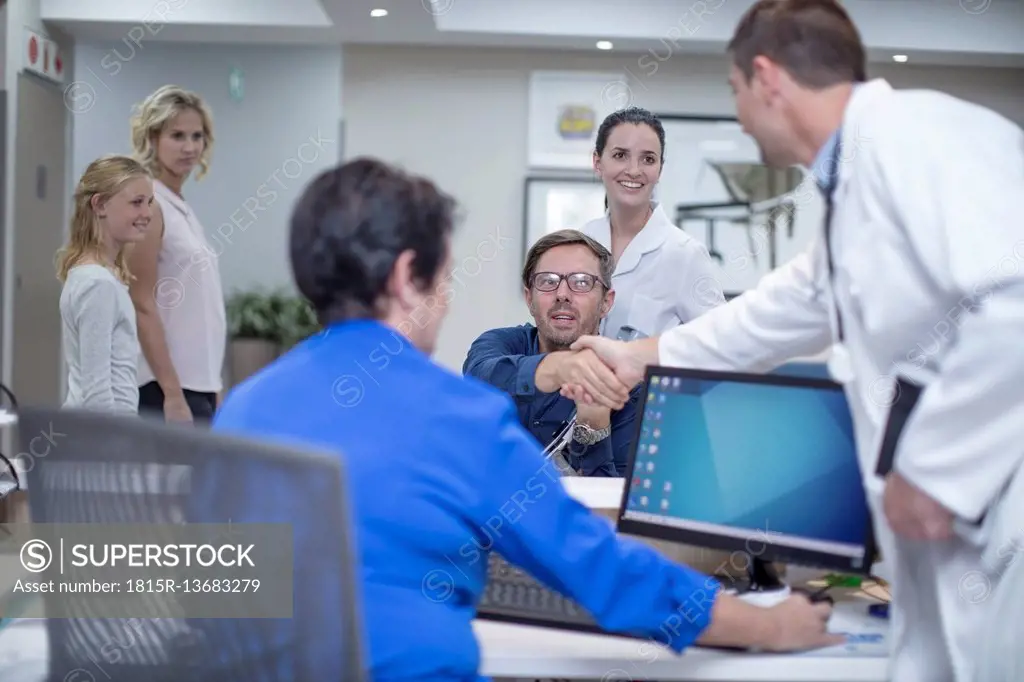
38, 234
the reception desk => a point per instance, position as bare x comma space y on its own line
516, 652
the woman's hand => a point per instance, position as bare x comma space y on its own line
176, 408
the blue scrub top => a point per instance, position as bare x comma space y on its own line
441, 472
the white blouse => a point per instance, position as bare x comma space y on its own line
664, 277
189, 298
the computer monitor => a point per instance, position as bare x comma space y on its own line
761, 465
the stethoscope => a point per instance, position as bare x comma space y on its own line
840, 364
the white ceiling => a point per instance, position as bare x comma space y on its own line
951, 32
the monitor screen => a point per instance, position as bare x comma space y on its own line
729, 460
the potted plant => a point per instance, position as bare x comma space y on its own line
252, 333
261, 325
296, 321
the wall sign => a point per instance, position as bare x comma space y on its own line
43, 57
236, 85
566, 108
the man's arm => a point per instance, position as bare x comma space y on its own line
626, 585
500, 357
785, 316
957, 200
612, 453
609, 456
594, 459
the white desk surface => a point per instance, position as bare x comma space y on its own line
516, 651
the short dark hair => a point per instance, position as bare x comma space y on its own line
349, 227
634, 115
565, 238
815, 41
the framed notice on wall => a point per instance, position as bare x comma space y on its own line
565, 110
559, 203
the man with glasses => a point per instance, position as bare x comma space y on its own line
566, 286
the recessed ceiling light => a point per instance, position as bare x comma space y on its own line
899, 58
604, 44
377, 13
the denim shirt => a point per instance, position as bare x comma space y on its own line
507, 358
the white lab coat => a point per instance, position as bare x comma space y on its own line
928, 243
1000, 657
664, 277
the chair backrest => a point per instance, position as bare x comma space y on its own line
105, 469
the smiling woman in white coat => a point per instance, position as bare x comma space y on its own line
663, 277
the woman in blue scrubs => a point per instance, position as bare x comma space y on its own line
440, 471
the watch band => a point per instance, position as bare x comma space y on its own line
587, 435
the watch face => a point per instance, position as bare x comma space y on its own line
587, 435
582, 434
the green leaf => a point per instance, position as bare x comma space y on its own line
276, 316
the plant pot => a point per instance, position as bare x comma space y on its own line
248, 356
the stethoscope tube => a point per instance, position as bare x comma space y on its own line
840, 365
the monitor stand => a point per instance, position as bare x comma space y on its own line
762, 577
761, 586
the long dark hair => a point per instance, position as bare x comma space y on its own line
636, 116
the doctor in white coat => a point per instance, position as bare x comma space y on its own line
916, 282
663, 277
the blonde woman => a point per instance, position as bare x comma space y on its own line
113, 207
177, 289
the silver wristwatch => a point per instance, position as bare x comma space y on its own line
588, 435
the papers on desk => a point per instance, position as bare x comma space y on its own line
867, 636
595, 492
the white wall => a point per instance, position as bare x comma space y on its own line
460, 117
267, 147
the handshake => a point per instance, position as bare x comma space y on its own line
597, 371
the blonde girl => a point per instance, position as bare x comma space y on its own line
112, 211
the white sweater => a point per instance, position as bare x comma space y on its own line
101, 343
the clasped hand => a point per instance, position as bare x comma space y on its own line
585, 378
603, 372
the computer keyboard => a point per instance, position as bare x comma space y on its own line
513, 595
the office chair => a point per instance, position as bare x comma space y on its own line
105, 469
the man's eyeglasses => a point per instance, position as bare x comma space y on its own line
579, 282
